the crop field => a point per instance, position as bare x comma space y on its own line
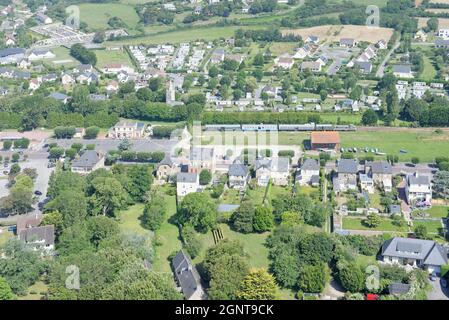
334, 33
442, 22
96, 15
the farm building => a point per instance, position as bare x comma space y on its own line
325, 140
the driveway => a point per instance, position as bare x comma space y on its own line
438, 292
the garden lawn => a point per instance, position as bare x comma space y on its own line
168, 238
36, 292
432, 226
105, 57
253, 243
351, 223
429, 72
5, 235
96, 15
438, 211
230, 196
130, 220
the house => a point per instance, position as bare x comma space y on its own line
10, 40
303, 52
325, 140
418, 189
67, 79
97, 97
11, 55
238, 175
83, 68
417, 253
203, 158
218, 56
88, 162
276, 169
40, 54
187, 277
284, 62
313, 66
127, 130
59, 96
443, 33
28, 221
365, 66
166, 168
51, 77
43, 18
38, 237
79, 133
402, 71
312, 39
381, 173
381, 44
346, 179
187, 182
347, 42
23, 63
309, 174
395, 209
34, 84
366, 183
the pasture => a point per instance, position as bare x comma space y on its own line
96, 15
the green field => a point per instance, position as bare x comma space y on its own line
96, 15
425, 145
63, 58
130, 220
351, 223
429, 72
105, 57
435, 212
186, 35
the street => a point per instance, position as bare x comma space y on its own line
438, 292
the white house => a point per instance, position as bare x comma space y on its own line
418, 189
187, 182
309, 173
382, 174
284, 62
443, 33
346, 179
276, 169
238, 175
40, 54
88, 162
417, 253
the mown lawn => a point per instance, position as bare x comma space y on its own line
96, 15
438, 211
432, 226
429, 72
352, 223
36, 292
112, 56
130, 220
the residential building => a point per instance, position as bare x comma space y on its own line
402, 71
44, 18
325, 140
309, 174
187, 277
40, 54
284, 62
11, 55
203, 158
313, 66
127, 130
218, 56
382, 174
442, 43
312, 39
347, 42
238, 175
365, 66
166, 168
417, 253
418, 189
366, 183
277, 169
346, 178
60, 97
443, 33
38, 238
187, 182
88, 162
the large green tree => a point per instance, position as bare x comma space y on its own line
198, 210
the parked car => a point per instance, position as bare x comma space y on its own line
432, 277
38, 193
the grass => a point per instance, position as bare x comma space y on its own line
167, 237
185, 35
424, 145
253, 243
350, 223
5, 235
364, 261
36, 291
63, 54
256, 195
230, 196
431, 226
429, 72
435, 212
96, 15
105, 57
130, 220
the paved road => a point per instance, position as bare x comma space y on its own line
438, 292
381, 70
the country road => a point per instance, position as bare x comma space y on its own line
381, 70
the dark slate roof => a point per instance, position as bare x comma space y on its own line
347, 166
418, 180
205, 154
398, 288
280, 164
381, 167
430, 252
238, 170
87, 160
395, 208
364, 65
166, 161
186, 274
402, 68
11, 51
58, 96
46, 233
186, 177
348, 41
310, 164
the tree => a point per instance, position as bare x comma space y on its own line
263, 219
56, 152
15, 169
441, 184
369, 117
421, 231
258, 285
432, 24
155, 212
82, 54
205, 177
91, 132
313, 278
372, 220
7, 144
125, 145
5, 290
71, 204
259, 60
415, 160
139, 181
108, 196
350, 276
198, 210
242, 219
53, 218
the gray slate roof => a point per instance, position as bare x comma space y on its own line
398, 288
280, 164
58, 96
347, 166
11, 51
310, 164
186, 274
418, 180
381, 167
46, 233
430, 252
186, 177
238, 170
402, 68
87, 160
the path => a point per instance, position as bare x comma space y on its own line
381, 70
